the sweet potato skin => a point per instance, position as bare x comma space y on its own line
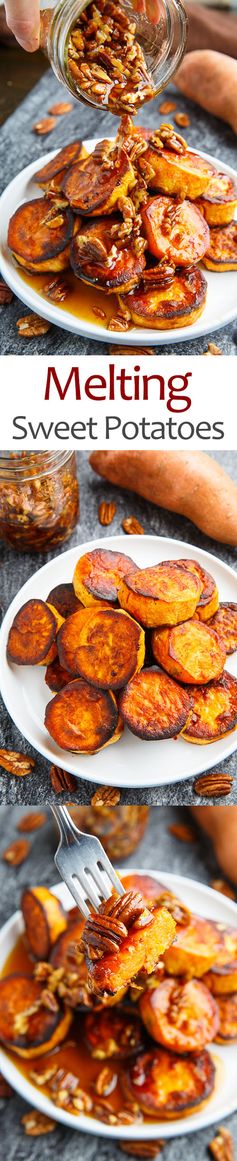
111, 649
185, 174
190, 652
45, 1029
209, 598
214, 712
183, 1017
195, 948
224, 622
164, 594
179, 304
44, 920
165, 1087
98, 574
153, 706
140, 950
82, 719
201, 489
32, 634
175, 231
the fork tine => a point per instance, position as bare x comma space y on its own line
71, 886
112, 874
105, 888
85, 881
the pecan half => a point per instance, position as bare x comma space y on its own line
106, 796
127, 908
222, 1146
213, 785
223, 887
213, 349
167, 107
106, 1082
56, 289
37, 1124
61, 780
17, 764
103, 934
182, 119
106, 512
31, 325
45, 126
32, 821
6, 295
61, 108
142, 1148
132, 527
5, 1089
183, 832
17, 852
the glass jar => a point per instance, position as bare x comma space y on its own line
119, 828
118, 69
39, 499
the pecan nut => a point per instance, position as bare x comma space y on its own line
127, 908
132, 527
183, 832
45, 126
37, 1124
31, 325
213, 785
17, 852
106, 512
6, 295
17, 764
147, 1149
32, 821
222, 1146
106, 1082
61, 108
182, 119
106, 796
103, 934
56, 289
61, 780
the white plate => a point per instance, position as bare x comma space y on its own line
220, 308
131, 762
204, 902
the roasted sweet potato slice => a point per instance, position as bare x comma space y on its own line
64, 600
209, 599
89, 253
44, 920
98, 574
195, 948
32, 634
222, 252
161, 595
222, 978
219, 202
26, 1032
68, 640
214, 711
82, 719
56, 676
62, 161
185, 174
179, 304
175, 231
153, 892
64, 953
111, 649
190, 652
182, 1016
140, 950
96, 188
39, 235
166, 1087
113, 1035
153, 706
59, 621
224, 622
227, 1006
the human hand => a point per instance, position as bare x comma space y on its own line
210, 79
23, 19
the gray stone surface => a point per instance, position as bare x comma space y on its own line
15, 570
19, 146
160, 850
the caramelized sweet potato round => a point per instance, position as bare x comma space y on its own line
195, 948
39, 235
222, 252
95, 188
190, 652
219, 202
153, 706
56, 676
175, 230
98, 574
62, 161
222, 978
224, 622
182, 1016
90, 250
165, 1086
64, 953
52, 652
185, 174
33, 1035
179, 304
68, 639
82, 719
154, 892
214, 711
227, 1007
161, 595
209, 598
32, 634
111, 648
140, 950
115, 1034
44, 920
64, 600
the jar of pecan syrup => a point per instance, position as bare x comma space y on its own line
114, 55
39, 499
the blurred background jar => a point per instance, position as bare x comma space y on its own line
119, 828
39, 499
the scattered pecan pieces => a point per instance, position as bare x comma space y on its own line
142, 1148
17, 852
183, 832
56, 289
223, 887
167, 107
213, 785
118, 323
182, 119
132, 527
213, 350
31, 325
106, 1082
99, 313
6, 295
102, 933
106, 796
106, 1113
32, 821
5, 1089
61, 780
222, 1146
137, 351
18, 764
106, 512
127, 908
61, 108
45, 126
35, 1124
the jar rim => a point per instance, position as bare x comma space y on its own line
26, 465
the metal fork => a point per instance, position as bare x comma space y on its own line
83, 864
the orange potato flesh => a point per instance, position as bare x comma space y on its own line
166, 1085
82, 719
32, 634
219, 202
63, 160
227, 1006
195, 948
224, 622
222, 978
52, 653
153, 706
214, 712
94, 189
185, 174
44, 920
209, 599
190, 652
161, 595
113, 1036
98, 574
222, 252
64, 600
65, 949
90, 250
39, 235
181, 1016
175, 231
45, 1029
68, 640
111, 649
179, 304
139, 951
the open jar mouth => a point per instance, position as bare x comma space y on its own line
21, 466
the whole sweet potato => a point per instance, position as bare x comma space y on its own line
190, 483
